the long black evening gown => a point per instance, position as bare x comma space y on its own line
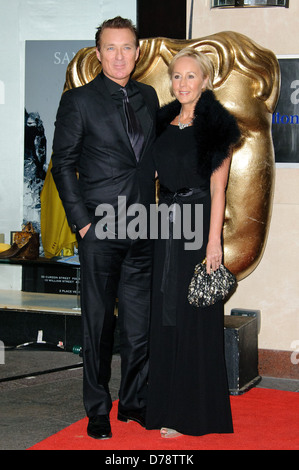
188, 388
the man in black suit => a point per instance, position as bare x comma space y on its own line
93, 164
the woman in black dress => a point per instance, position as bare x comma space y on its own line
188, 391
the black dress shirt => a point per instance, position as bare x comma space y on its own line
135, 98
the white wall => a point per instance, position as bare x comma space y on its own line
273, 287
22, 20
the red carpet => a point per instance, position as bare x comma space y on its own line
263, 420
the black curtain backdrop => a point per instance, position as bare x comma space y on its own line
161, 18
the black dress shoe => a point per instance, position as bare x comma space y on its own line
132, 416
99, 427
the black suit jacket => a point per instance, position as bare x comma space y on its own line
93, 161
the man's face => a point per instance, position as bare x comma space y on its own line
118, 54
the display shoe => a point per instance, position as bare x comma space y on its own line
25, 246
11, 252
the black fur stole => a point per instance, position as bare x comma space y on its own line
216, 130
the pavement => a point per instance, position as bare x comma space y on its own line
41, 394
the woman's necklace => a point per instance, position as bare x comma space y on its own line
183, 126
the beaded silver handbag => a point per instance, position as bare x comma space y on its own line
207, 289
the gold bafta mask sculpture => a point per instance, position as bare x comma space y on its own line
247, 83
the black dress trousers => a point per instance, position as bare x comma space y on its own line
112, 268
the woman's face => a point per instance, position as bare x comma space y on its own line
188, 81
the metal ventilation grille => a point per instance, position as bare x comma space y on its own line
249, 3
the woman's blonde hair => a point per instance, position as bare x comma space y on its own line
204, 62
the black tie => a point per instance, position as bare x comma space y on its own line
134, 129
